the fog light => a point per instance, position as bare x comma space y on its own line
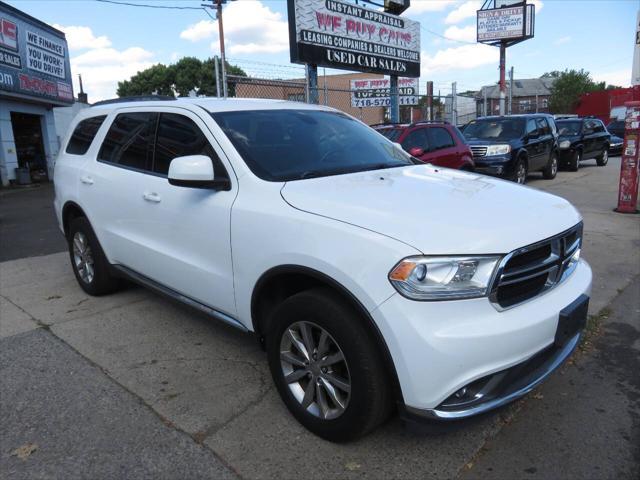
461, 393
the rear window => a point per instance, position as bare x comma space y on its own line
391, 133
84, 134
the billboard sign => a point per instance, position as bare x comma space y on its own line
346, 36
375, 92
511, 23
34, 59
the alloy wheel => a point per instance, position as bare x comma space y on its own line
83, 257
315, 370
605, 157
521, 174
554, 166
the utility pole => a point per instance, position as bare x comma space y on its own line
503, 84
454, 104
215, 66
510, 91
218, 7
484, 102
312, 83
429, 100
395, 104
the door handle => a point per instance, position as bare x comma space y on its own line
86, 179
151, 197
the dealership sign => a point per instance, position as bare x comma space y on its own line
511, 23
346, 36
34, 59
375, 92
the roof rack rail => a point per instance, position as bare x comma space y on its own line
135, 98
420, 122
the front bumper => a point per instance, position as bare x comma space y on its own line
440, 347
498, 166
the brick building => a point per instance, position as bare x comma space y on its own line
529, 95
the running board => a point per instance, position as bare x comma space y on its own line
168, 292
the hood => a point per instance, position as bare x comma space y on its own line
436, 210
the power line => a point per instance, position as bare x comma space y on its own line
144, 5
446, 38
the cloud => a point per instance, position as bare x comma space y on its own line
249, 27
562, 40
465, 34
464, 11
81, 38
464, 57
620, 78
103, 68
421, 6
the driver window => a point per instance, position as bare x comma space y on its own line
532, 127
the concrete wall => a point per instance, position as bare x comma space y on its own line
8, 154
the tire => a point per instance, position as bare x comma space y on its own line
360, 382
550, 171
89, 264
574, 163
603, 158
520, 172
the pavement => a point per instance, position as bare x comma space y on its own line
132, 385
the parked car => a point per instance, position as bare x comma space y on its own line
616, 127
374, 282
512, 146
438, 143
582, 139
615, 145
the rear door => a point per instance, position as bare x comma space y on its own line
443, 149
589, 139
546, 140
534, 145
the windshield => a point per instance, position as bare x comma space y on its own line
569, 128
283, 145
391, 133
494, 129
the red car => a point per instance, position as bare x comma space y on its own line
438, 143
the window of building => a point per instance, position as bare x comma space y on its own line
128, 141
179, 136
84, 134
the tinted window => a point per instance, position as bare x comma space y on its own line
83, 135
179, 136
494, 129
570, 127
543, 127
532, 127
599, 126
416, 139
291, 144
391, 133
129, 139
440, 138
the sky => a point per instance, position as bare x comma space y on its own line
109, 43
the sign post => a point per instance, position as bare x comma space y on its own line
628, 188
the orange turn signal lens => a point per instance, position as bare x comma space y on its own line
402, 271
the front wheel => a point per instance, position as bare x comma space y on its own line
603, 158
574, 163
520, 172
550, 171
326, 367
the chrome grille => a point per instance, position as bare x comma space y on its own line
479, 151
530, 271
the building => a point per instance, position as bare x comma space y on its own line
35, 77
333, 91
607, 105
529, 95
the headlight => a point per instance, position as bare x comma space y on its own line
498, 150
565, 144
444, 278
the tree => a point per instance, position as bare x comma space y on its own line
188, 74
567, 88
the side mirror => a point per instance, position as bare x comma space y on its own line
195, 171
416, 152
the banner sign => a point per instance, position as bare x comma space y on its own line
505, 24
34, 59
375, 92
345, 36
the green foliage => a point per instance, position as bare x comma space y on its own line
567, 88
189, 73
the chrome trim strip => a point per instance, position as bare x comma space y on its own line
157, 287
435, 414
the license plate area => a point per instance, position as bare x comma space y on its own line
572, 319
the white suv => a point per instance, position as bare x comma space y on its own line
373, 281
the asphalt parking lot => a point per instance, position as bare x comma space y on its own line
131, 385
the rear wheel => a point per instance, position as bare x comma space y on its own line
326, 367
90, 266
574, 163
603, 158
550, 171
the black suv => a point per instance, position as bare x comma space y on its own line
581, 139
511, 146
